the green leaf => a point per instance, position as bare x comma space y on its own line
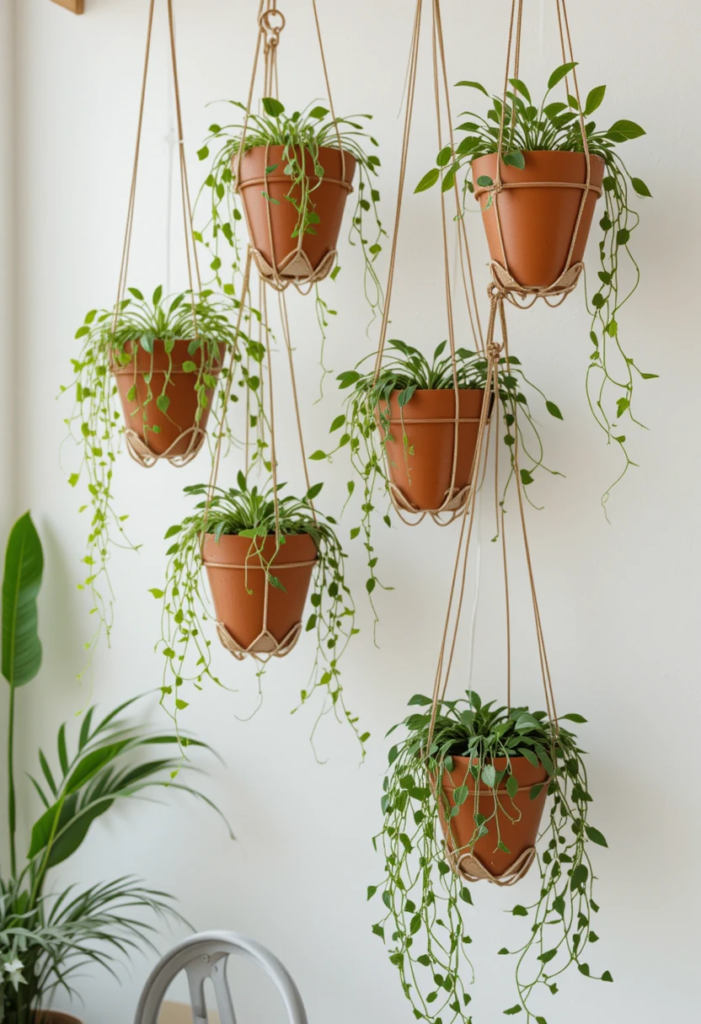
520, 86
545, 958
519, 911
24, 567
474, 85
318, 455
272, 107
595, 836
560, 73
594, 99
136, 293
640, 187
624, 130
460, 795
515, 159
484, 181
428, 180
158, 594
579, 876
526, 477
162, 403
314, 491
513, 1010
337, 423
579, 719
318, 112
444, 157
553, 410
489, 775
511, 786
157, 295
606, 976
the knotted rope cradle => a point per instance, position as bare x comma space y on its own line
137, 447
456, 498
463, 860
265, 646
294, 267
554, 293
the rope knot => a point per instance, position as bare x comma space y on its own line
494, 351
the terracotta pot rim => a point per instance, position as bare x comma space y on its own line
322, 149
302, 533
53, 1015
544, 152
438, 391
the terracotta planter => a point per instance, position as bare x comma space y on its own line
428, 420
271, 225
175, 433
238, 585
54, 1017
518, 836
537, 224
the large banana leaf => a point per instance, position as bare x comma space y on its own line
24, 566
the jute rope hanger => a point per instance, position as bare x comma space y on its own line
455, 498
463, 860
137, 448
295, 268
555, 293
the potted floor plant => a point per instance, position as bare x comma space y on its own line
399, 431
163, 358
537, 214
260, 560
463, 803
48, 934
292, 173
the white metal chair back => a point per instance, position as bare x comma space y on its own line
204, 956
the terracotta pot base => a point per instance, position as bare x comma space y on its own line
180, 436
538, 213
420, 483
255, 619
281, 258
481, 860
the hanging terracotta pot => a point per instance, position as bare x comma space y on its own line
255, 617
537, 223
519, 835
421, 470
272, 222
54, 1017
176, 427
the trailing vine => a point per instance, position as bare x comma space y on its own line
111, 338
300, 134
555, 125
249, 511
365, 427
426, 907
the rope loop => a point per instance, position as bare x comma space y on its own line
270, 30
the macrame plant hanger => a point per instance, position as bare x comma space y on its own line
456, 499
462, 860
556, 292
294, 268
265, 646
137, 448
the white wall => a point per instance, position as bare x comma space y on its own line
620, 603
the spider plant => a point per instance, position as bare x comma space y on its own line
366, 420
426, 906
47, 937
249, 511
555, 125
301, 134
111, 338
